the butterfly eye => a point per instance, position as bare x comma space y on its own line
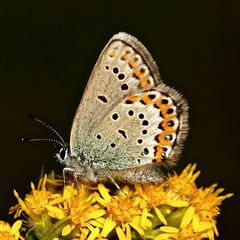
62, 153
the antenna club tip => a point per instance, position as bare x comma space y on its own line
25, 139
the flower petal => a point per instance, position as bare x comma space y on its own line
204, 226
108, 227
137, 228
169, 229
210, 235
96, 214
187, 217
160, 216
163, 236
144, 217
96, 223
93, 234
55, 212
15, 227
120, 233
128, 232
178, 203
104, 192
66, 230
195, 222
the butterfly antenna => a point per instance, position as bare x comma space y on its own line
49, 127
43, 139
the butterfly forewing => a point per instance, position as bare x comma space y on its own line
121, 70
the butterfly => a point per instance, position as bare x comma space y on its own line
129, 124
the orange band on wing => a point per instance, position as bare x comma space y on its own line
124, 56
144, 83
133, 98
145, 98
138, 74
159, 151
165, 125
162, 137
132, 63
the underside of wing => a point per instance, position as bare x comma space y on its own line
124, 67
145, 128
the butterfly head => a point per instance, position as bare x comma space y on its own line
62, 154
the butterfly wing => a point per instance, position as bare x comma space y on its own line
145, 128
112, 74
127, 116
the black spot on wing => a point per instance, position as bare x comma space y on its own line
123, 133
102, 98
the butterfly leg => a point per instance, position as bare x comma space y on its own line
65, 171
75, 177
114, 182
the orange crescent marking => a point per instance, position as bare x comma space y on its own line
159, 153
138, 73
146, 99
162, 140
133, 98
132, 63
144, 83
125, 56
158, 103
165, 126
164, 109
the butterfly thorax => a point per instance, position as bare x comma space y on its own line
90, 171
77, 165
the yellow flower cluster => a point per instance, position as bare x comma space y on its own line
174, 209
10, 233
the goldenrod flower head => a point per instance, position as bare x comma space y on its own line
10, 233
174, 209
183, 186
36, 205
150, 195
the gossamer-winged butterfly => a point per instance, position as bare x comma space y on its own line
128, 123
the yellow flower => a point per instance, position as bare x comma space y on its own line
151, 195
86, 215
37, 205
205, 204
198, 220
182, 186
174, 209
122, 214
10, 233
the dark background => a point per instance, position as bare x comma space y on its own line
47, 51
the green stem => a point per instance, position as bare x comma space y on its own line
56, 229
30, 235
174, 220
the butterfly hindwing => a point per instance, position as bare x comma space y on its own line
144, 128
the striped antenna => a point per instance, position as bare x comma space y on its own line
62, 143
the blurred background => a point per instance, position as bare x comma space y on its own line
47, 52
